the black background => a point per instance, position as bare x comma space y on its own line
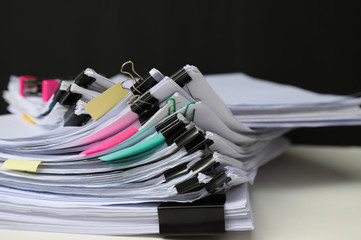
313, 45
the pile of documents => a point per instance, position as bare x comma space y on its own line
115, 156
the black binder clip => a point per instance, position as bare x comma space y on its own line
181, 77
203, 165
83, 80
193, 140
175, 172
71, 119
204, 216
68, 98
145, 106
145, 82
217, 182
193, 184
172, 127
143, 85
189, 185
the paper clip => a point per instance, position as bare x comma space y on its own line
186, 110
174, 105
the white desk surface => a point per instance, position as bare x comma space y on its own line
310, 192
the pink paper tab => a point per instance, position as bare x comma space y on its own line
112, 141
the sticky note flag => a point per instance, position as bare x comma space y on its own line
21, 165
28, 118
105, 101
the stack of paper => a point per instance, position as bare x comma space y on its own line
100, 157
259, 103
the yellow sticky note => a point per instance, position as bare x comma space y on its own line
21, 165
105, 101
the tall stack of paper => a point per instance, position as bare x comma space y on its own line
103, 158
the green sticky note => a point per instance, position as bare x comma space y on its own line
105, 101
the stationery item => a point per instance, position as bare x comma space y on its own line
115, 219
152, 146
30, 86
175, 102
141, 109
192, 80
170, 128
21, 165
48, 89
102, 103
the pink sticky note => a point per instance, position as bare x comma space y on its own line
118, 125
112, 141
48, 88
